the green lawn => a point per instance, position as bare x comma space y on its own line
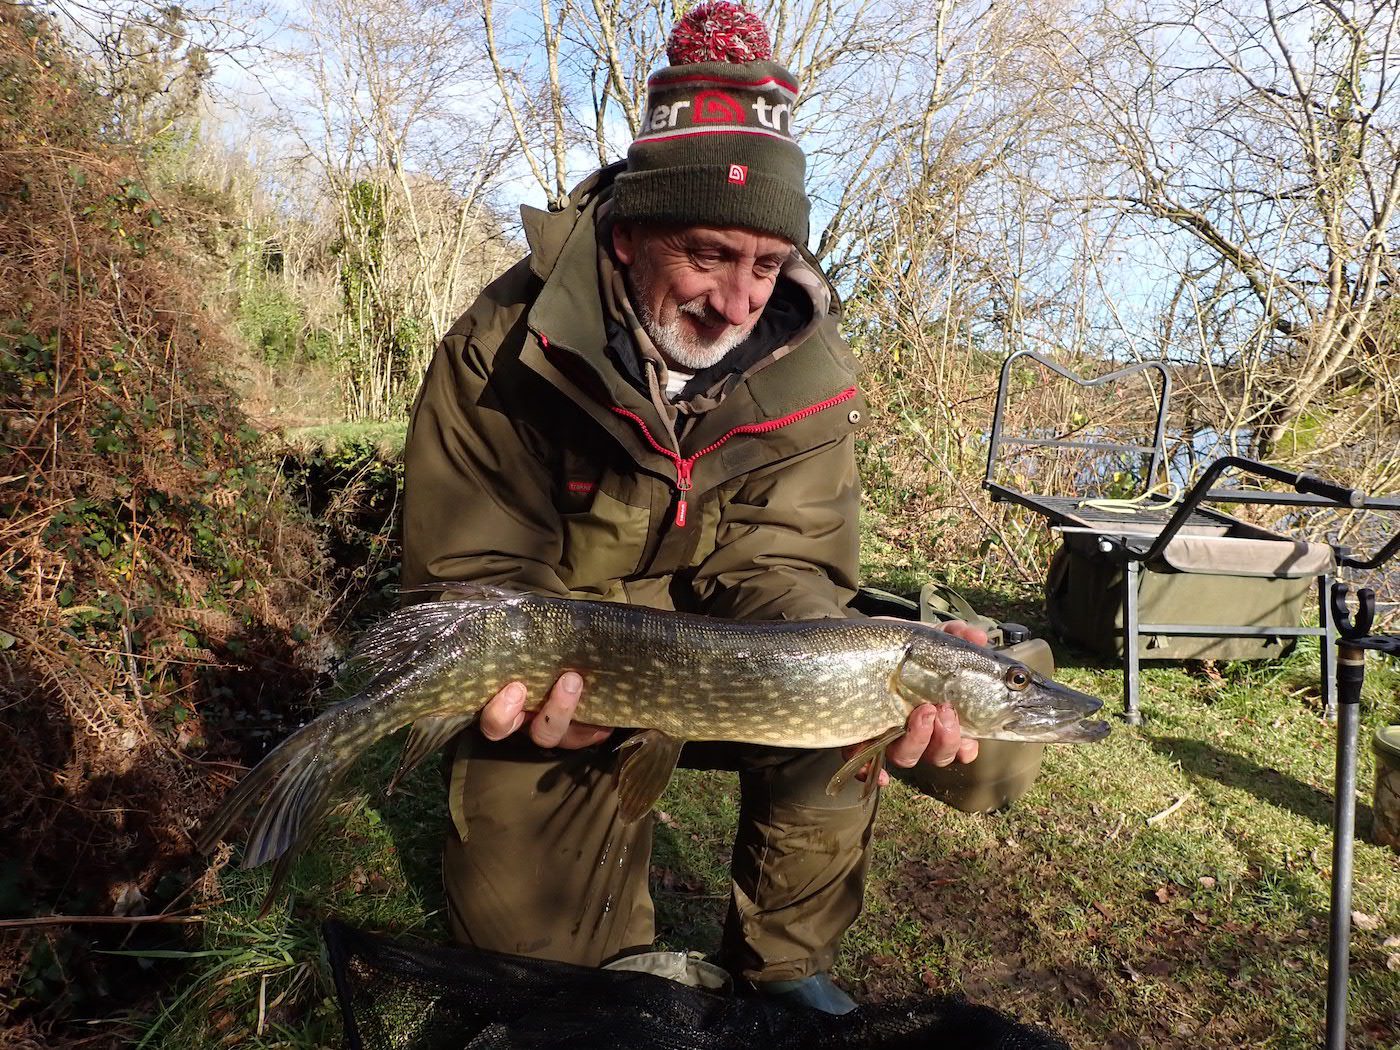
1206, 927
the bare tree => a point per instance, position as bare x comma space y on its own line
390, 117
572, 77
1267, 138
155, 60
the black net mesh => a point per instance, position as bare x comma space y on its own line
404, 994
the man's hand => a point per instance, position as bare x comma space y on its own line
932, 733
552, 725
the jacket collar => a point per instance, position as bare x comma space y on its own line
569, 319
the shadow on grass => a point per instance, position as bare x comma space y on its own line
993, 946
690, 908
417, 821
1201, 759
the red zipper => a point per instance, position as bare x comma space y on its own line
686, 464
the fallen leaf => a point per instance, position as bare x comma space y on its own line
930, 979
1293, 964
1201, 917
666, 819
1362, 921
130, 901
1099, 907
1392, 962
1207, 881
1162, 894
1391, 942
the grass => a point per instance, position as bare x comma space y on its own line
328, 438
1082, 907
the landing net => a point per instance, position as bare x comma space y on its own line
398, 994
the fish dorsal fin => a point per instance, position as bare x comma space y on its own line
424, 737
466, 591
648, 759
872, 752
407, 642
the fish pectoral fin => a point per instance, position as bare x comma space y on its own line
424, 737
647, 760
872, 752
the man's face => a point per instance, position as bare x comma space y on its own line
698, 290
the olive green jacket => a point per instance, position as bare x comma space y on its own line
532, 461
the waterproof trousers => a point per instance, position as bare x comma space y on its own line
547, 869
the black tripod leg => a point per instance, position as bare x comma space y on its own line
1131, 578
1351, 672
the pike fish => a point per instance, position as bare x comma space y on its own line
674, 676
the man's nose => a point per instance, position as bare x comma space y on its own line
734, 299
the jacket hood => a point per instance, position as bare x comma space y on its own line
568, 312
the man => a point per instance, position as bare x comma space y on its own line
655, 407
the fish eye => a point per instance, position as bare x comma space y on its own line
1017, 678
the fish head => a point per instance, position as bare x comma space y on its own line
995, 696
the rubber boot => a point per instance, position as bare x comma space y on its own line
817, 992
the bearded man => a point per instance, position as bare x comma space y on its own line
655, 407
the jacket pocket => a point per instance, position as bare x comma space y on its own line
602, 544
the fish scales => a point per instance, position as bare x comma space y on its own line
698, 678
676, 676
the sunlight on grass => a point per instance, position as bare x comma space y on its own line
328, 438
264, 982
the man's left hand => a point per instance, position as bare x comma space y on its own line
932, 733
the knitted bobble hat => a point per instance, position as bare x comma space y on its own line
716, 145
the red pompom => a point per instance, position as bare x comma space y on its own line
718, 32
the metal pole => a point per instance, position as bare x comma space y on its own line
1327, 645
1131, 577
1351, 671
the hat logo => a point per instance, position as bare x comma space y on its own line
717, 107
738, 174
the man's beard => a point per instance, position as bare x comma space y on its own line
677, 344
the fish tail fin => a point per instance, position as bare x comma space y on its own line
300, 774
298, 799
298, 777
217, 827
283, 866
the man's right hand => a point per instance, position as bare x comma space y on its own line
552, 725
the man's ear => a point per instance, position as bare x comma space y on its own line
624, 239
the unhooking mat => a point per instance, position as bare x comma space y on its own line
408, 995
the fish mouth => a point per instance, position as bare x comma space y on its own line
1073, 730
1082, 732
1061, 716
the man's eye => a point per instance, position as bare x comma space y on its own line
766, 272
705, 259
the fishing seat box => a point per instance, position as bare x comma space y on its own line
1207, 576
